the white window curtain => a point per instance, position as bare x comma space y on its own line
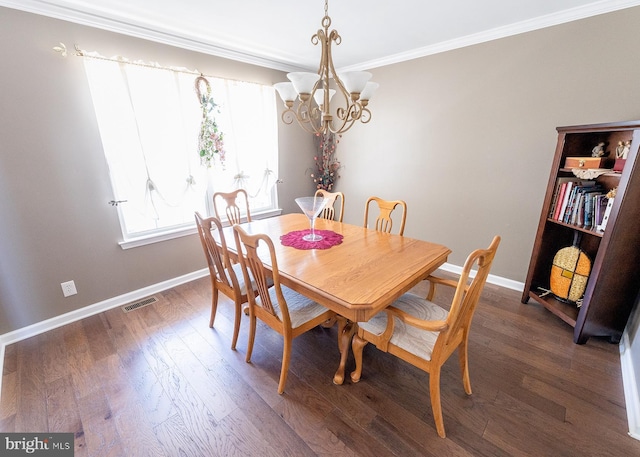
149, 119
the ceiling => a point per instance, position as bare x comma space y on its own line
277, 33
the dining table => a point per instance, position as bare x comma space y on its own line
358, 275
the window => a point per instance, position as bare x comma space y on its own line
149, 120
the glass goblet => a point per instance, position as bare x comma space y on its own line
311, 207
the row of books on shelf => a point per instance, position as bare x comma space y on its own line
580, 202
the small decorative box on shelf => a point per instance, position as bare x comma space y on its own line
585, 162
619, 165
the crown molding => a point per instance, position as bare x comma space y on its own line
550, 20
132, 27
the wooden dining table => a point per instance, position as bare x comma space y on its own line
357, 278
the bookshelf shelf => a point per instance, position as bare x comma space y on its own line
580, 229
572, 218
564, 311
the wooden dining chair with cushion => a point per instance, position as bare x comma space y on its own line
233, 210
384, 222
226, 277
423, 334
284, 310
329, 211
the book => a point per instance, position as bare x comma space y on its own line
558, 201
607, 213
589, 207
588, 210
565, 195
575, 200
571, 203
578, 214
565, 200
600, 207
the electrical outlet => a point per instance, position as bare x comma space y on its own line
68, 288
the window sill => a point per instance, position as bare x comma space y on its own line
185, 231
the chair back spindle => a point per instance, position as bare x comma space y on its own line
329, 211
233, 211
384, 220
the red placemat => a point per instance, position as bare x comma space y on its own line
294, 239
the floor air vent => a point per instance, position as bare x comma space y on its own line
139, 304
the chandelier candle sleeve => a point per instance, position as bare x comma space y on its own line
287, 92
303, 83
355, 81
368, 91
308, 96
319, 96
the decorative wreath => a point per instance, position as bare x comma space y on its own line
211, 139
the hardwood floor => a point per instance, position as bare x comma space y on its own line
157, 381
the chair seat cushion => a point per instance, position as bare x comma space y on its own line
301, 308
414, 340
237, 268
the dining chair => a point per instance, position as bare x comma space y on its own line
424, 334
329, 211
384, 222
232, 209
226, 276
281, 308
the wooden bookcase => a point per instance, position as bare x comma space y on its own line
614, 282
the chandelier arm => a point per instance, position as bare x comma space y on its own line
365, 116
307, 117
323, 70
345, 126
343, 115
357, 110
288, 116
335, 37
330, 70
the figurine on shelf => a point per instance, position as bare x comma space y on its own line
598, 151
624, 150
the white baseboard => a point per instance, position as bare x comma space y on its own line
630, 383
491, 279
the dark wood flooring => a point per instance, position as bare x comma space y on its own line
158, 381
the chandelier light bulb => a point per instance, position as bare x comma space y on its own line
303, 82
319, 96
286, 91
368, 91
355, 81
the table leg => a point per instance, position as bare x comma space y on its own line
346, 330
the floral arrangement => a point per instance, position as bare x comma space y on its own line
210, 139
326, 162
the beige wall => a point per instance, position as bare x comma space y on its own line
55, 223
466, 137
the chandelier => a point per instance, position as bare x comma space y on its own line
315, 91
